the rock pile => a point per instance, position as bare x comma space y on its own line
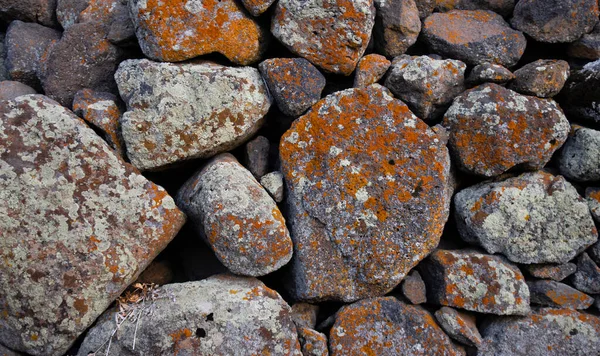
299, 177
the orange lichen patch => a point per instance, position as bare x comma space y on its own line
170, 30
370, 69
458, 25
179, 339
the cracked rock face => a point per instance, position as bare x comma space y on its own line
493, 129
68, 201
236, 217
221, 315
352, 197
532, 218
331, 34
386, 326
183, 111
489, 73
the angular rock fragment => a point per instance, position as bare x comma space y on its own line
294, 83
425, 7
221, 315
425, 84
475, 281
305, 314
501, 7
371, 68
26, 45
587, 47
532, 218
397, 26
579, 158
67, 11
459, 325
555, 20
557, 295
331, 34
257, 7
257, 156
176, 31
592, 195
352, 195
183, 111
312, 342
386, 326
413, 288
40, 11
494, 129
543, 78
580, 95
236, 217
474, 37
545, 332
556, 272
489, 73
78, 225
102, 111
587, 276
10, 90
273, 183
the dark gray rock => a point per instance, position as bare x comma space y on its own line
489, 73
579, 158
502, 7
40, 11
543, 78
592, 195
580, 97
10, 90
459, 325
425, 7
413, 288
587, 47
257, 156
397, 26
587, 277
557, 295
556, 272
67, 11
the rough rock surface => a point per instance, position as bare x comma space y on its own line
558, 295
8, 352
26, 45
3, 71
273, 183
459, 325
587, 47
40, 11
555, 20
176, 31
413, 288
386, 326
306, 28
256, 154
350, 197
371, 68
68, 200
489, 73
532, 218
10, 90
102, 111
555, 272
305, 314
67, 11
546, 332
425, 84
474, 281
579, 97
236, 217
502, 7
183, 111
312, 342
592, 195
493, 129
425, 7
587, 276
543, 78
579, 158
397, 26
294, 83
221, 315
474, 37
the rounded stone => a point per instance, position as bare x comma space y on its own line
489, 73
579, 158
10, 90
397, 26
579, 96
371, 68
543, 78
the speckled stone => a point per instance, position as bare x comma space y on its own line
182, 111
236, 217
174, 31
493, 129
256, 154
587, 47
305, 314
555, 20
579, 158
594, 252
587, 276
397, 26
459, 325
358, 166
413, 288
371, 68
102, 111
425, 7
592, 195
4, 351
489, 73
257, 7
220, 316
307, 28
78, 225
385, 326
555, 272
3, 72
543, 78
474, 37
40, 11
312, 342
532, 218
557, 295
580, 95
274, 184
501, 7
546, 332
10, 89
425, 84
474, 281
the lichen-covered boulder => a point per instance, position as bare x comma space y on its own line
543, 78
494, 129
257, 7
331, 34
78, 225
474, 37
370, 69
546, 332
312, 342
532, 218
182, 111
236, 217
579, 158
459, 325
223, 315
385, 326
557, 295
502, 7
474, 281
397, 26
358, 167
489, 73
555, 272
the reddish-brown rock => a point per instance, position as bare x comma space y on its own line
413, 288
459, 325
555, 272
370, 69
502, 7
397, 26
305, 314
10, 89
559, 295
543, 78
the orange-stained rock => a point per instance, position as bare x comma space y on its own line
331, 34
459, 325
502, 7
555, 272
175, 30
312, 342
370, 69
474, 37
489, 73
257, 7
358, 166
385, 326
305, 314
543, 78
474, 281
559, 295
78, 225
493, 129
413, 288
